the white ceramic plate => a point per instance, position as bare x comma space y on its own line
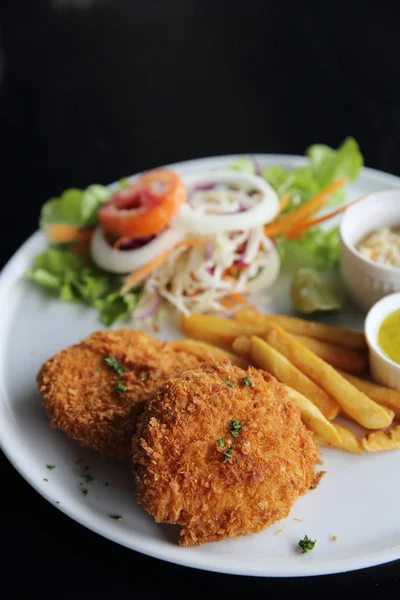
357, 500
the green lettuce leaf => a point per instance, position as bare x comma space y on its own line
316, 249
326, 166
69, 279
75, 207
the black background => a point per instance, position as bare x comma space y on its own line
95, 92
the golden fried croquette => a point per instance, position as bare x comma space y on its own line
86, 398
222, 453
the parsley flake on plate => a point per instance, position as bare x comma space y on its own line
50, 467
307, 544
246, 381
221, 442
229, 384
116, 517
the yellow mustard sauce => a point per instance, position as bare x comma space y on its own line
389, 336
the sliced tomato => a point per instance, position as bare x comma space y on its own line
145, 207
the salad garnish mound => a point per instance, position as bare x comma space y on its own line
198, 243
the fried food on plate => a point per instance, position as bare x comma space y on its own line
95, 390
221, 452
204, 351
347, 442
327, 333
354, 403
266, 357
379, 441
340, 357
220, 332
382, 395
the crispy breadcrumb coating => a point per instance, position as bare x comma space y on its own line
192, 470
80, 390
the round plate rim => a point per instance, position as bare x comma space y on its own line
141, 543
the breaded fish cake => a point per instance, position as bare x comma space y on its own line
97, 403
222, 453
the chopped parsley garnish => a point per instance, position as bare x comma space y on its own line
57, 502
229, 384
45, 480
144, 377
228, 454
306, 544
88, 478
246, 381
84, 491
221, 442
169, 411
116, 517
112, 362
50, 467
235, 427
98, 370
119, 387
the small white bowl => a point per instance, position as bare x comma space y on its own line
383, 369
368, 281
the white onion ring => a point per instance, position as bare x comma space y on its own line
269, 272
128, 261
261, 213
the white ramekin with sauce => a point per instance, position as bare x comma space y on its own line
368, 281
384, 369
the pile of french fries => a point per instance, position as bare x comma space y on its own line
319, 367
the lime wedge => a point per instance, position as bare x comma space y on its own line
310, 292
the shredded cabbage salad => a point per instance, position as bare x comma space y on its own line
198, 244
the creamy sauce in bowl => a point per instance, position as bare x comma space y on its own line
382, 246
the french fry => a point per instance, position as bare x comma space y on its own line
203, 350
313, 418
242, 346
382, 395
354, 403
379, 441
274, 362
334, 335
220, 332
340, 357
347, 440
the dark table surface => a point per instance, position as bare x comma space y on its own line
92, 90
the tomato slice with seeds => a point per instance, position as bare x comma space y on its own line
145, 207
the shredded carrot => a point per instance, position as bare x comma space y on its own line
62, 234
238, 298
305, 211
70, 234
227, 303
301, 226
120, 241
283, 202
139, 275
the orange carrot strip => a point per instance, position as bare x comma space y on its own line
238, 298
306, 210
62, 234
305, 224
283, 202
145, 271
